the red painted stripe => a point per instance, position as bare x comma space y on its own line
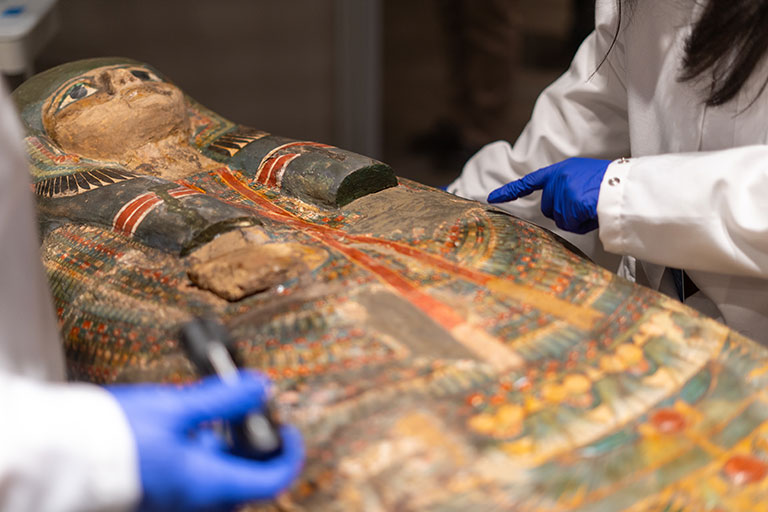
304, 143
132, 216
263, 175
265, 170
425, 257
182, 192
278, 168
138, 215
270, 209
438, 311
127, 210
187, 184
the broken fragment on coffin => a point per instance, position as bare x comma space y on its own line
245, 271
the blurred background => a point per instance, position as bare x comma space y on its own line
399, 80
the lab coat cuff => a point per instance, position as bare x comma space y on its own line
610, 205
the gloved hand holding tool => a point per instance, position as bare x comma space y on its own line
183, 463
570, 190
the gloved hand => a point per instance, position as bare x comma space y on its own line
569, 192
181, 466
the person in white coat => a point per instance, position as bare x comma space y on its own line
664, 105
80, 447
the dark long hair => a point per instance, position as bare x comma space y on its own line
725, 46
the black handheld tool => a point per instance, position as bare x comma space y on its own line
208, 346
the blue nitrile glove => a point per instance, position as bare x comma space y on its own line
182, 466
569, 192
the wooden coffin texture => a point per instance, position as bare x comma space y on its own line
437, 353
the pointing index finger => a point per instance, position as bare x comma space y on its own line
526, 185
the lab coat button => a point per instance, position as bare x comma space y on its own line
614, 181
622, 160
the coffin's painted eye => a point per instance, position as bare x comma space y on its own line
143, 74
76, 92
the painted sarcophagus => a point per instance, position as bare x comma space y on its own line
437, 353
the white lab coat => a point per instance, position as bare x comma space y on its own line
62, 446
694, 195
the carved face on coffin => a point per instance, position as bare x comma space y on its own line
114, 112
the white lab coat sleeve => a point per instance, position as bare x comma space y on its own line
698, 211
63, 447
583, 113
